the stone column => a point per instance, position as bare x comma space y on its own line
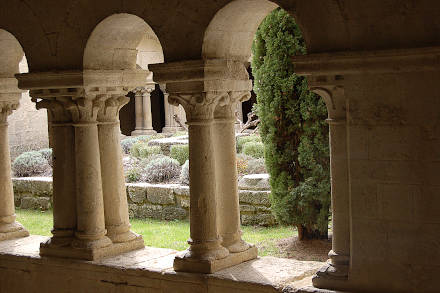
171, 125
144, 121
63, 152
113, 180
226, 172
9, 227
205, 241
332, 92
200, 86
90, 235
138, 110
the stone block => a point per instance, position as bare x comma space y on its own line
38, 186
136, 192
44, 203
183, 202
254, 182
149, 211
29, 203
132, 210
162, 195
255, 197
247, 208
181, 190
258, 219
170, 213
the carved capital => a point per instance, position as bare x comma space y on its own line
227, 107
55, 100
199, 106
143, 90
109, 111
331, 89
6, 108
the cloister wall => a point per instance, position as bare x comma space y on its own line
27, 125
154, 201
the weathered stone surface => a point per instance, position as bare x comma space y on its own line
181, 190
132, 210
160, 194
258, 219
255, 197
35, 203
149, 211
38, 186
174, 213
146, 270
137, 192
247, 208
183, 202
254, 182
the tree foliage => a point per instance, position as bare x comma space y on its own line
293, 128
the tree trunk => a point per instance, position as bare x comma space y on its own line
309, 234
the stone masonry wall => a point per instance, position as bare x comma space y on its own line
154, 201
27, 125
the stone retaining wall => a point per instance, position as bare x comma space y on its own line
155, 201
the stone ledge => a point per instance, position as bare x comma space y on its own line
146, 270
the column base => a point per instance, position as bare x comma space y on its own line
172, 129
12, 231
204, 266
331, 277
67, 251
143, 132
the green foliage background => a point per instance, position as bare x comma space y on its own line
292, 127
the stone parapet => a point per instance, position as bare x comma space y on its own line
145, 200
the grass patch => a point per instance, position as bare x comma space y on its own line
168, 234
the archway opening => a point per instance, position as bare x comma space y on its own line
123, 42
230, 36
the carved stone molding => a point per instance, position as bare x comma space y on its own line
199, 106
226, 107
6, 108
368, 62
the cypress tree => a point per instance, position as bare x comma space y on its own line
292, 127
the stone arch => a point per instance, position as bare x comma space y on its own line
12, 54
122, 41
126, 42
231, 31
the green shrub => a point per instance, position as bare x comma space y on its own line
47, 154
161, 170
292, 128
241, 140
242, 163
30, 164
142, 150
254, 149
133, 175
184, 174
128, 142
145, 151
136, 141
180, 152
256, 166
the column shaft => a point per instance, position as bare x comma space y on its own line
138, 110
227, 190
9, 228
90, 205
147, 117
64, 193
340, 193
205, 241
113, 184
